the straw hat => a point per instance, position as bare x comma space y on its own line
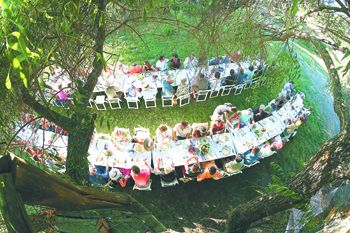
115, 174
148, 144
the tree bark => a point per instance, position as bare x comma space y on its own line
78, 145
331, 163
12, 208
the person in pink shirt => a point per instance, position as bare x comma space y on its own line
141, 176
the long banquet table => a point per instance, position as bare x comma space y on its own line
125, 154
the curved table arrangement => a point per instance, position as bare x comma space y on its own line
118, 150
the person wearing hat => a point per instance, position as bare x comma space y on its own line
149, 91
260, 113
117, 176
217, 127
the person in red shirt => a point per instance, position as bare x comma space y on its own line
217, 127
141, 176
135, 69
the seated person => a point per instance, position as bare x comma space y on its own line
289, 86
135, 69
225, 59
149, 91
214, 61
290, 128
200, 83
175, 63
147, 67
119, 175
286, 94
182, 131
280, 101
305, 113
161, 64
190, 62
277, 142
222, 110
215, 82
260, 113
230, 80
217, 127
168, 173
235, 120
192, 167
141, 176
252, 156
235, 165
133, 91
168, 89
182, 89
163, 133
247, 117
242, 77
249, 73
140, 137
200, 131
267, 150
210, 171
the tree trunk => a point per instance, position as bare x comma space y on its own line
78, 145
12, 208
331, 163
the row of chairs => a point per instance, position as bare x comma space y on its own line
101, 101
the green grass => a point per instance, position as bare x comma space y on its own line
185, 204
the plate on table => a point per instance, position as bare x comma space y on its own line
223, 137
203, 140
226, 150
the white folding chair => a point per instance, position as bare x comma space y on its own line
150, 102
239, 89
114, 103
146, 188
202, 95
215, 92
184, 99
90, 103
251, 165
100, 102
132, 102
169, 184
269, 155
167, 101
226, 90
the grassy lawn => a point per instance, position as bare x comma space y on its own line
185, 204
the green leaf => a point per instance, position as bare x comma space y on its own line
347, 53
108, 125
294, 8
15, 47
8, 81
16, 34
24, 79
16, 63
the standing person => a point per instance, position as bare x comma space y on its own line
222, 110
175, 62
190, 62
182, 131
161, 64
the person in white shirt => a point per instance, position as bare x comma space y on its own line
161, 64
182, 131
190, 62
235, 165
163, 134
